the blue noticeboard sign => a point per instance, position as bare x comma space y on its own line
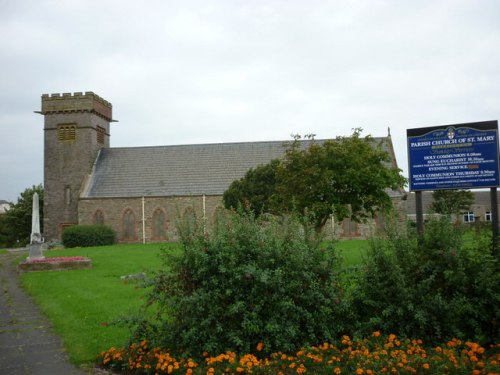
460, 156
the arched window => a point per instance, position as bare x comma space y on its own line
98, 218
350, 228
128, 225
159, 228
189, 220
219, 219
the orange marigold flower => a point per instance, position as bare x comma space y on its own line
359, 371
260, 346
240, 369
426, 366
337, 370
376, 334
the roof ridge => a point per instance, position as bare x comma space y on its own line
229, 143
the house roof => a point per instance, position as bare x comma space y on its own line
482, 198
180, 170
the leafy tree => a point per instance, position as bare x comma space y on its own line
345, 177
254, 190
452, 201
17, 219
4, 238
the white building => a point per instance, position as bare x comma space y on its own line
4, 206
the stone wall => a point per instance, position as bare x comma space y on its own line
175, 208
68, 162
77, 102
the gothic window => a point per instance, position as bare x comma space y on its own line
350, 228
219, 218
159, 231
128, 225
66, 132
67, 195
101, 132
189, 220
98, 218
380, 220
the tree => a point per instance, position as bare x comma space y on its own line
253, 192
4, 238
345, 177
452, 201
17, 219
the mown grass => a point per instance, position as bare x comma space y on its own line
82, 303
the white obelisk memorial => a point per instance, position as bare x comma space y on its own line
36, 237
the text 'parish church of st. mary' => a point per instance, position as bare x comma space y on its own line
141, 192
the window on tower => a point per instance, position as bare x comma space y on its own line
66, 132
101, 132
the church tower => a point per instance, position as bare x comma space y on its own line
76, 127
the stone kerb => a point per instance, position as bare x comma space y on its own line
55, 264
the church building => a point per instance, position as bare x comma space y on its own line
141, 192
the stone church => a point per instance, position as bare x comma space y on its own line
141, 192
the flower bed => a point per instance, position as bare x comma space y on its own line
55, 264
376, 355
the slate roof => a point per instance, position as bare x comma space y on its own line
481, 198
177, 170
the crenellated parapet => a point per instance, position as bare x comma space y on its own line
77, 102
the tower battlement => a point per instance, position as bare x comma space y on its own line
77, 102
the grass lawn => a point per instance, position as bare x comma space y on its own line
82, 303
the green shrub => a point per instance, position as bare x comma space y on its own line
88, 235
253, 280
437, 287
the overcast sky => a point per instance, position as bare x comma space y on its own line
183, 72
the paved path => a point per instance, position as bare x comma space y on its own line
27, 344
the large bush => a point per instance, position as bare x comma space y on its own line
88, 235
440, 286
253, 280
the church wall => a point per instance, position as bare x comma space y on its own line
116, 211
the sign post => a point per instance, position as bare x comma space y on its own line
460, 156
